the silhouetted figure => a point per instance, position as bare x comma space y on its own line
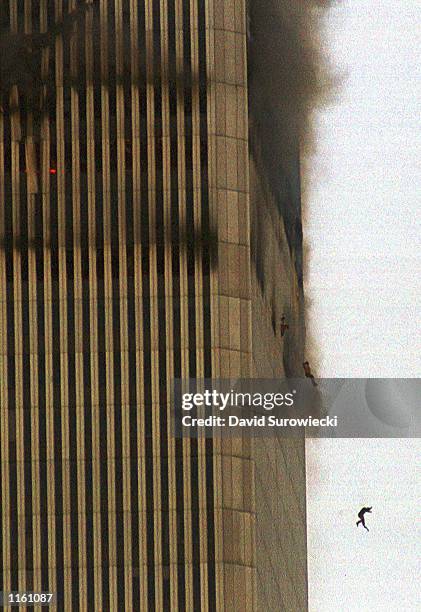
284, 326
361, 517
307, 372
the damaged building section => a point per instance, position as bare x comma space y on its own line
288, 77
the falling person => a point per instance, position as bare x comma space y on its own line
307, 372
361, 517
284, 326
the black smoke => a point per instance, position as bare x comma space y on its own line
24, 86
28, 82
28, 85
22, 54
27, 91
289, 77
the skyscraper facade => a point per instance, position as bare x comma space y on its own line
141, 241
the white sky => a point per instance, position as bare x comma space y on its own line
365, 288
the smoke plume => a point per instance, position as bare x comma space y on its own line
288, 76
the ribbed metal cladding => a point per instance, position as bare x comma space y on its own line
105, 297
